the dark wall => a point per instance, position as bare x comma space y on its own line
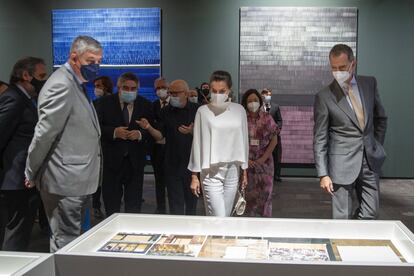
201, 36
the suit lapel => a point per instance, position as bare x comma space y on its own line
118, 108
27, 101
135, 111
364, 98
85, 101
342, 102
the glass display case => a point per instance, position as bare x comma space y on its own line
192, 245
25, 263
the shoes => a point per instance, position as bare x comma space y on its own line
97, 213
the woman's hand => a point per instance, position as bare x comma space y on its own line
195, 185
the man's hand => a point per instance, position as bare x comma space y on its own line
121, 133
134, 135
195, 186
28, 184
326, 184
186, 129
143, 123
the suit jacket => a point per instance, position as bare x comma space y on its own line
64, 157
110, 117
18, 117
339, 142
276, 115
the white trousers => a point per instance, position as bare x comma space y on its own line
219, 184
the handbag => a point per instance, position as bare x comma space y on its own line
240, 205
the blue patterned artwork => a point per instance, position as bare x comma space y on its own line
130, 37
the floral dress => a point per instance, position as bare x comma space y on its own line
260, 179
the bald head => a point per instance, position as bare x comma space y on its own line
179, 85
178, 91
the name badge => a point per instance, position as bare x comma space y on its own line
254, 142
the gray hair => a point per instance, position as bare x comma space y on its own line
83, 43
126, 77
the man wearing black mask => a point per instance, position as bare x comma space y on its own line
204, 97
18, 117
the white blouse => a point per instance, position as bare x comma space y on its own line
219, 137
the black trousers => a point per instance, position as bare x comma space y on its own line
277, 157
157, 160
96, 198
17, 213
127, 183
180, 198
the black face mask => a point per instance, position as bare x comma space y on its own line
37, 84
205, 92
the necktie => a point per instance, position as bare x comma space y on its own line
125, 114
85, 92
163, 104
34, 102
359, 112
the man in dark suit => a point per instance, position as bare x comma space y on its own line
274, 110
176, 126
18, 117
349, 132
123, 145
158, 147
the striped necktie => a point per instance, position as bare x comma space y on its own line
357, 106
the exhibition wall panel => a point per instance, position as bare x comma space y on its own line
201, 36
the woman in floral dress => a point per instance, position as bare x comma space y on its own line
262, 141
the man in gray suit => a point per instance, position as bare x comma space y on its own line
64, 158
349, 132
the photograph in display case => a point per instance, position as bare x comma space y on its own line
178, 245
254, 248
298, 252
249, 248
130, 243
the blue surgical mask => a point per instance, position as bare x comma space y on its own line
128, 97
175, 102
90, 71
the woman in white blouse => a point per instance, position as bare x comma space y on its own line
220, 148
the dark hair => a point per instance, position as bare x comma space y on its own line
247, 94
127, 76
107, 83
221, 76
25, 64
3, 83
339, 49
204, 83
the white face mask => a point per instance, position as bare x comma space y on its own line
193, 99
162, 93
218, 99
342, 76
98, 92
253, 106
267, 98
